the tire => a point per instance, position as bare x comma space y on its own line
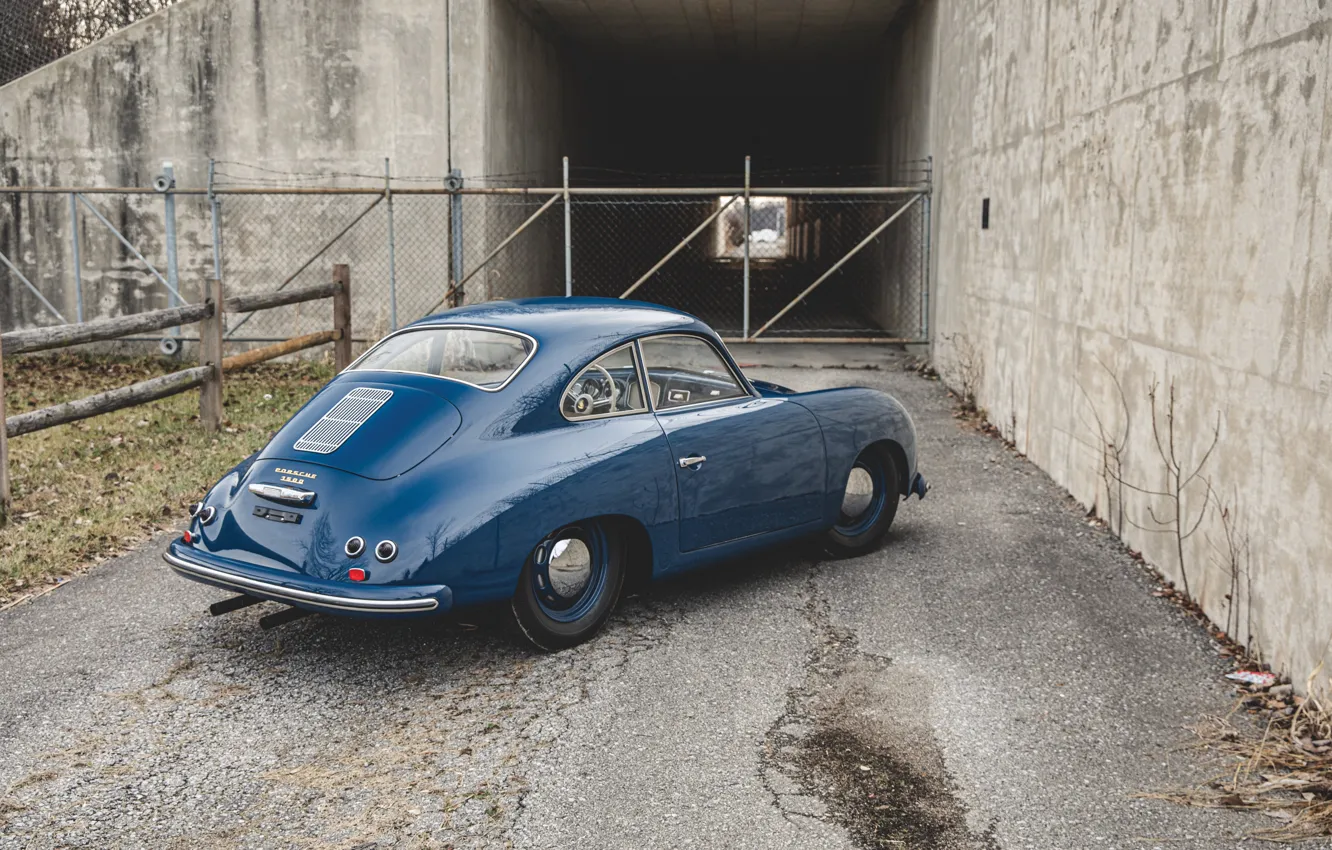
569, 585
871, 496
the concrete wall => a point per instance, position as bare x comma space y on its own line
299, 86
1159, 179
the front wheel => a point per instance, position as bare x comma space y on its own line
869, 504
569, 585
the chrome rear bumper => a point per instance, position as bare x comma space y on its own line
296, 596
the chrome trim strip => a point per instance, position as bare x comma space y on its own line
643, 376
409, 328
342, 603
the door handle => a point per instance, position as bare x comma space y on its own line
695, 460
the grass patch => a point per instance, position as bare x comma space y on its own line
92, 489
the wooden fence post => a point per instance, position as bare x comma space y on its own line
342, 349
6, 503
211, 329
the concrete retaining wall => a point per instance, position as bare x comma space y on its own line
1159, 176
303, 86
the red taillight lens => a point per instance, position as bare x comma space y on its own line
356, 574
189, 538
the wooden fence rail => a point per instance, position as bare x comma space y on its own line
117, 399
207, 375
63, 336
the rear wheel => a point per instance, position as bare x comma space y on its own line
569, 585
869, 504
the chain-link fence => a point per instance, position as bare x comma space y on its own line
36, 32
794, 242
836, 262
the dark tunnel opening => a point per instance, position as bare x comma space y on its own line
805, 124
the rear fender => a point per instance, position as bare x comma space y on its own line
619, 466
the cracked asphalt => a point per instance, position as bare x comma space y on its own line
996, 676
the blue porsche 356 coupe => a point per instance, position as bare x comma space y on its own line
541, 451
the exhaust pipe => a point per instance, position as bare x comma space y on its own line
281, 618
235, 603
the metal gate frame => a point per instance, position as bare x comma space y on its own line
454, 186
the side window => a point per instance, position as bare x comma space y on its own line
608, 387
685, 370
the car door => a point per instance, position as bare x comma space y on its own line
744, 465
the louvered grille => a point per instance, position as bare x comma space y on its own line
334, 427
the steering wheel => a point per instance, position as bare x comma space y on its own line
584, 403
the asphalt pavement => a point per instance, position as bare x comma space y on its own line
998, 675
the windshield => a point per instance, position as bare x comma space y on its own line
482, 358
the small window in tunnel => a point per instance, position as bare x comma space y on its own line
985, 213
767, 229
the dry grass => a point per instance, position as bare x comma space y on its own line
92, 489
1281, 768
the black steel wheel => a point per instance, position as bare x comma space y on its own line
869, 505
569, 585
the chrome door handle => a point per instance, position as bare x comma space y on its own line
686, 462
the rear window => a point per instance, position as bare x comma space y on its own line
476, 356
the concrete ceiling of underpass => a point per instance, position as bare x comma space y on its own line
722, 29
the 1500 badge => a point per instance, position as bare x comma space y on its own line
293, 476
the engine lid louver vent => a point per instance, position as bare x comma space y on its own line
335, 427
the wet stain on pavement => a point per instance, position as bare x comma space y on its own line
855, 747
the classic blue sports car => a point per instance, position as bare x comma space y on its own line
542, 451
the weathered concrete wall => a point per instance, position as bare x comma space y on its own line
1159, 179
301, 87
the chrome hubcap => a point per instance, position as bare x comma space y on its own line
570, 567
859, 493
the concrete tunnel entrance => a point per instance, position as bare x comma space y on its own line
674, 96
640, 96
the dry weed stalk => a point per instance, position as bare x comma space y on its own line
1179, 480
970, 372
1236, 561
1113, 447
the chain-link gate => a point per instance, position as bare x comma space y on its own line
754, 263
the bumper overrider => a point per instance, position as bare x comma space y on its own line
334, 597
918, 486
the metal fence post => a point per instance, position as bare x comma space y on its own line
745, 320
392, 249
342, 317
78, 262
215, 217
210, 354
173, 272
925, 282
6, 499
456, 232
568, 237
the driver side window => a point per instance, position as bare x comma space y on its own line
685, 370
608, 387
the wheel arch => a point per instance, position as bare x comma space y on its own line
638, 545
894, 448
638, 549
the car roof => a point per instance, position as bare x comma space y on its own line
555, 322
570, 333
